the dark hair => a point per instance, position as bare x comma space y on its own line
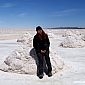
43, 36
38, 28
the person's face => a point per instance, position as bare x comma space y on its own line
39, 31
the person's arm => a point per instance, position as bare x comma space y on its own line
48, 41
46, 44
35, 44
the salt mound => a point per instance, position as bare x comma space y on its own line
51, 35
72, 40
26, 39
24, 60
68, 33
83, 37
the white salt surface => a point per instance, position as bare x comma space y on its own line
6, 47
72, 74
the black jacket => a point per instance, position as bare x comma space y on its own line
41, 44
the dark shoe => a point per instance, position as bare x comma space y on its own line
49, 74
40, 76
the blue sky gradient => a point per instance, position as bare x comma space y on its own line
46, 13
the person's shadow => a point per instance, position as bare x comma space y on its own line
34, 56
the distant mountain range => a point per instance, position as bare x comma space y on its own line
66, 28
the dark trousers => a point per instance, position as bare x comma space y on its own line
44, 58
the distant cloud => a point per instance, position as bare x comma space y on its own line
22, 14
66, 12
6, 5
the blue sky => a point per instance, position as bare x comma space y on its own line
46, 13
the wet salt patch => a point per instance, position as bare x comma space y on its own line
8, 43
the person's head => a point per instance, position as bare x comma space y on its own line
39, 30
40, 33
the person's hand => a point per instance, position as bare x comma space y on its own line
43, 51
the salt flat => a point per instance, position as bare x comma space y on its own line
72, 74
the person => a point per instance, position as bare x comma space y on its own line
41, 44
